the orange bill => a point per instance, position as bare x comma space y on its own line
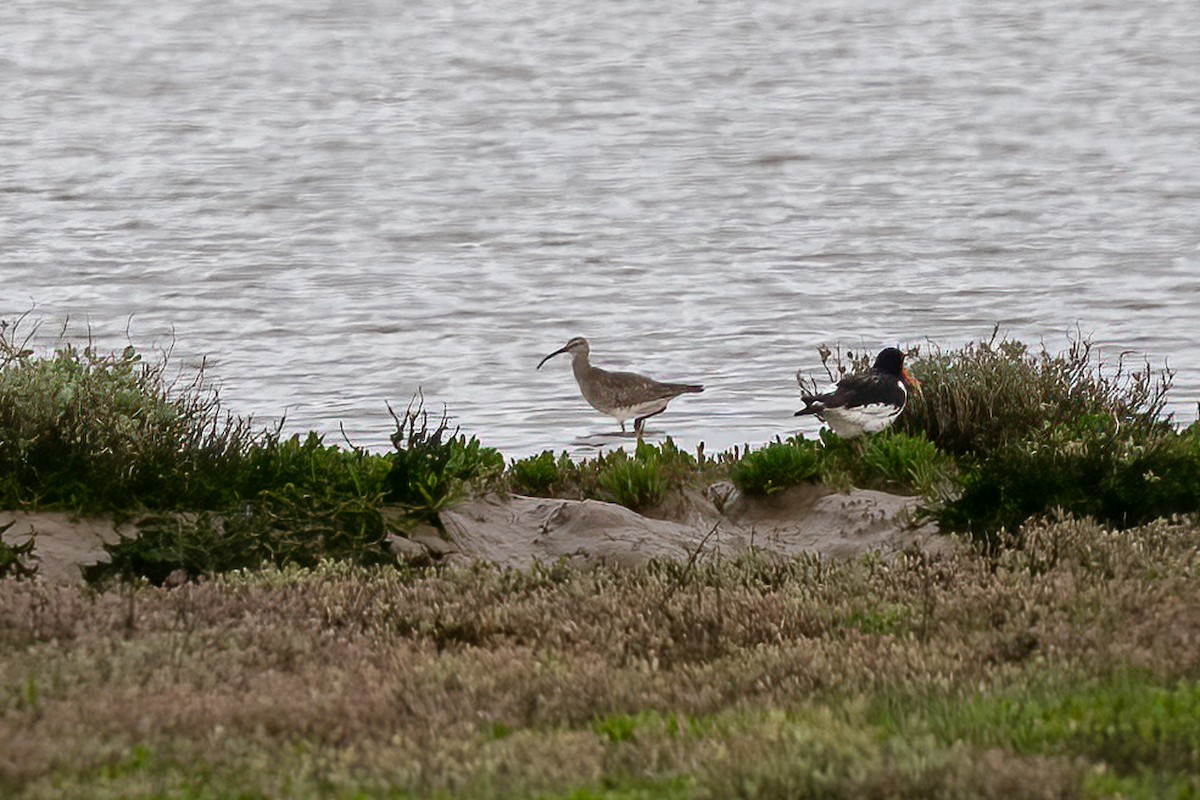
910, 380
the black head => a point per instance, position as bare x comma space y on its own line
891, 361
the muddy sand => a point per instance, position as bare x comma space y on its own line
517, 531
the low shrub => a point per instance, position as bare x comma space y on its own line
1002, 431
197, 544
311, 466
96, 431
1089, 468
994, 394
537, 476
637, 482
299, 501
897, 461
431, 467
777, 466
917, 675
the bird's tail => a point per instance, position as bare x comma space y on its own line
811, 406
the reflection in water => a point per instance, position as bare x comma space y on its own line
340, 204
613, 439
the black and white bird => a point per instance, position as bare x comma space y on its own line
621, 395
866, 402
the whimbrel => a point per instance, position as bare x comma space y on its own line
622, 395
867, 402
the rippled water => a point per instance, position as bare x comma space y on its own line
340, 202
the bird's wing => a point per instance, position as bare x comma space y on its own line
630, 388
861, 390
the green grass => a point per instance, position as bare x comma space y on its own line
1124, 721
1140, 735
662, 789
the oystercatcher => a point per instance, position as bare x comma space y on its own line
621, 395
867, 402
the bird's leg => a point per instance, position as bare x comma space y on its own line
622, 425
640, 422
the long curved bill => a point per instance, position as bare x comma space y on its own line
911, 381
552, 355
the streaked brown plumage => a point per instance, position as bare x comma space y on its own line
621, 395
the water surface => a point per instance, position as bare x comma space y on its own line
341, 203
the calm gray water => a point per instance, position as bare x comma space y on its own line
341, 202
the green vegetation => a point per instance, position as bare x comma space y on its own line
637, 481
1040, 433
1122, 720
542, 475
429, 469
1000, 434
777, 466
644, 480
100, 433
105, 432
990, 395
309, 502
1064, 668
891, 461
1089, 468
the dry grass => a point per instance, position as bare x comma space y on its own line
748, 679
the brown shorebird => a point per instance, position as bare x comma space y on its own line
622, 395
867, 402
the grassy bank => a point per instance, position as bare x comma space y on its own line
1002, 433
1067, 668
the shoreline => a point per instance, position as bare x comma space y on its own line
518, 531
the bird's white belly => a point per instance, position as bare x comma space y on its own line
850, 422
622, 413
